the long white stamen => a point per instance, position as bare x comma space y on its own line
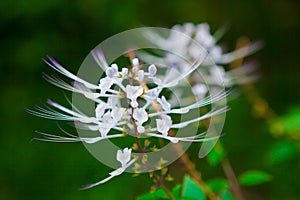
56, 66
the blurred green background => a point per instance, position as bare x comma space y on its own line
68, 30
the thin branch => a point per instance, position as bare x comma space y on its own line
234, 185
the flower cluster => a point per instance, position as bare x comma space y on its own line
131, 100
212, 71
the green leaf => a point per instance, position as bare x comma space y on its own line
216, 155
217, 185
282, 152
226, 195
254, 177
192, 190
155, 195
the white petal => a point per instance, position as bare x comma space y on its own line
109, 72
199, 90
105, 84
152, 94
100, 110
203, 35
141, 75
107, 124
135, 63
124, 72
140, 115
117, 113
141, 129
104, 131
113, 102
115, 68
152, 70
164, 124
216, 53
132, 93
124, 156
164, 104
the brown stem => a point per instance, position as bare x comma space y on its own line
160, 182
234, 185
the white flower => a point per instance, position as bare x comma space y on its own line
112, 71
152, 70
216, 72
132, 93
100, 109
117, 113
113, 102
164, 104
192, 49
109, 113
202, 34
124, 158
199, 90
133, 83
164, 124
124, 72
152, 94
141, 116
105, 84
135, 63
141, 75
107, 123
112, 77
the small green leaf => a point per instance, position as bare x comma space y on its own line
155, 195
254, 177
216, 155
217, 185
192, 190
